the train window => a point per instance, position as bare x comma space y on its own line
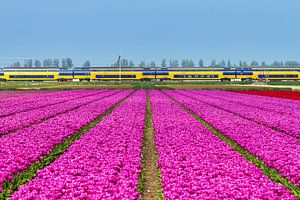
162, 73
66, 74
196, 76
148, 73
81, 74
116, 76
31, 76
1, 74
230, 73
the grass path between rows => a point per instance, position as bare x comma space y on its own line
272, 173
9, 187
150, 179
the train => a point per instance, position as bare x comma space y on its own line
147, 74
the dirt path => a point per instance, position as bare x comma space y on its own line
150, 181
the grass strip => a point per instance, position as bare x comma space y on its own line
150, 179
272, 173
9, 187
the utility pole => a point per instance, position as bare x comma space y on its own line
120, 68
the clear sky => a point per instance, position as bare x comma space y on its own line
99, 30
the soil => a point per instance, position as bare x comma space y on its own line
152, 181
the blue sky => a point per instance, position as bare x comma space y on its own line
99, 30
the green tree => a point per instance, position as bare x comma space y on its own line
131, 64
29, 62
64, 63
86, 64
37, 63
254, 64
164, 63
124, 62
69, 62
142, 64
213, 63
241, 63
291, 63
152, 64
201, 63
55, 63
228, 63
223, 63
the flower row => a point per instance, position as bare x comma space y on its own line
20, 149
276, 149
280, 94
36, 102
25, 119
196, 164
285, 106
280, 121
104, 164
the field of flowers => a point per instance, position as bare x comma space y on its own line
90, 144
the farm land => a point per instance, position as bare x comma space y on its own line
148, 141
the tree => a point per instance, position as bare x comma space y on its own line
69, 62
245, 64
55, 63
86, 64
213, 63
164, 63
131, 64
275, 64
29, 62
241, 63
228, 63
281, 64
223, 63
263, 64
124, 62
174, 63
254, 64
17, 65
37, 63
191, 63
142, 64
25, 63
184, 63
291, 63
201, 63
187, 63
152, 64
64, 63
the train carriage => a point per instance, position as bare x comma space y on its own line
114, 74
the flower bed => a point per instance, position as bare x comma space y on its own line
104, 164
20, 149
196, 164
276, 149
28, 118
279, 94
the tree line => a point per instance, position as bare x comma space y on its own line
29, 63
214, 63
68, 63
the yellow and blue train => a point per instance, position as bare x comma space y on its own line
113, 74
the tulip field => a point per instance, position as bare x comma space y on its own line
94, 144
